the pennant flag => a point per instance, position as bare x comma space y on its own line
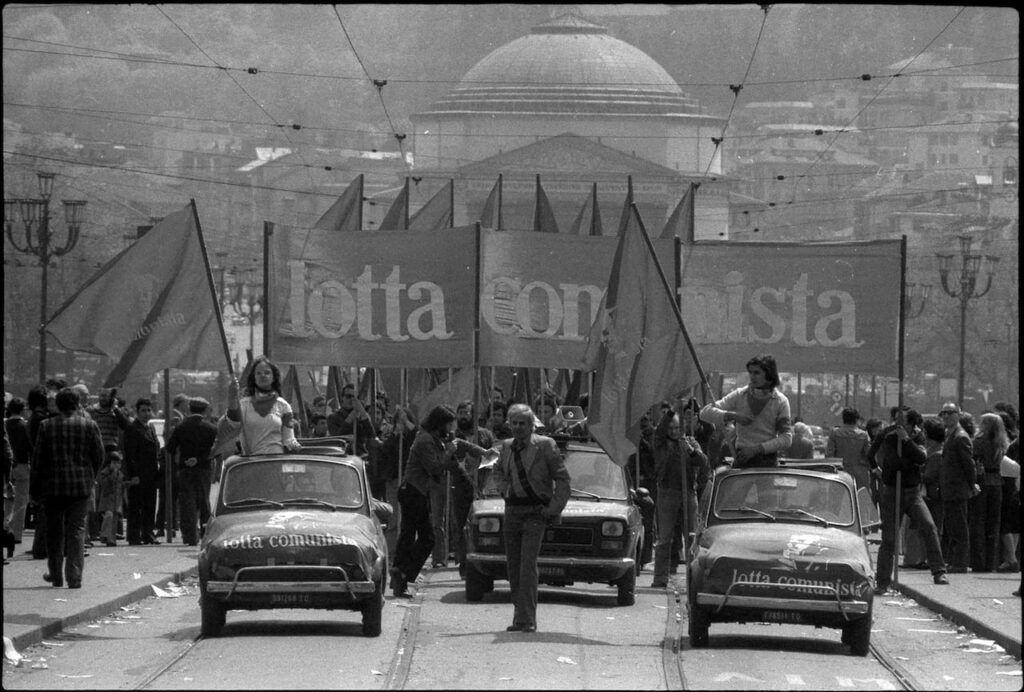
397, 218
291, 391
588, 220
636, 344
543, 214
346, 214
625, 216
491, 217
336, 381
150, 308
450, 392
680, 223
437, 212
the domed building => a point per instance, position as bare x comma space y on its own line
577, 106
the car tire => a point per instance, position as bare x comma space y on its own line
627, 588
214, 615
476, 584
857, 635
373, 610
698, 623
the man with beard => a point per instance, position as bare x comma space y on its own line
463, 485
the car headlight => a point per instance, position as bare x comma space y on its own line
612, 528
489, 524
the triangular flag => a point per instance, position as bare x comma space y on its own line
543, 214
588, 220
150, 308
346, 214
491, 217
624, 217
436, 213
637, 345
450, 392
680, 223
397, 218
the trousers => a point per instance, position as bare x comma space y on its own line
912, 505
65, 537
524, 528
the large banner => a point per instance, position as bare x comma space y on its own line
414, 299
539, 294
395, 299
825, 307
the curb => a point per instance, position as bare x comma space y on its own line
38, 634
1011, 645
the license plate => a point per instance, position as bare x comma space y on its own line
291, 598
552, 571
782, 617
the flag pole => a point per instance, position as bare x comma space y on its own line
668, 290
213, 291
900, 414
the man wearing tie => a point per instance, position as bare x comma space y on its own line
533, 480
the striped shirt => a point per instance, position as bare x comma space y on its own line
68, 453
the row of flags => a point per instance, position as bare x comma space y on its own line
154, 307
346, 214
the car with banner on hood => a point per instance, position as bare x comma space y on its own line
295, 530
781, 545
597, 539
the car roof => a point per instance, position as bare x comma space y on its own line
805, 467
300, 456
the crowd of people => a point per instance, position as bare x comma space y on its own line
80, 472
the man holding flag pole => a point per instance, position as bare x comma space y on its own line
640, 348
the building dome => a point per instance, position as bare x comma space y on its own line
568, 66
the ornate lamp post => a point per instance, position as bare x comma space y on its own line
917, 294
249, 300
40, 240
965, 288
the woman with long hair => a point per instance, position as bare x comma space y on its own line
985, 509
266, 417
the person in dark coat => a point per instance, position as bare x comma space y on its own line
141, 449
67, 456
957, 485
192, 441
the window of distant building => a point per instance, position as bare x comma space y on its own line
1010, 172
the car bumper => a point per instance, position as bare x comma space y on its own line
258, 581
556, 568
720, 601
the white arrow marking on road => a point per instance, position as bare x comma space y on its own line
726, 677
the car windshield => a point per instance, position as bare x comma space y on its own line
291, 481
784, 497
594, 474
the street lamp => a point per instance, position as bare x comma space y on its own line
249, 300
972, 266
919, 293
40, 240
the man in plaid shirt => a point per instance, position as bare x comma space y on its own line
68, 453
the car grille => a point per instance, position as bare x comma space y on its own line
567, 540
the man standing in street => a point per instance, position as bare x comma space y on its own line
67, 455
191, 442
16, 428
901, 458
672, 450
464, 480
179, 410
140, 455
351, 418
957, 485
533, 480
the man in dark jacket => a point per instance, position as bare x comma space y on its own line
901, 457
957, 485
67, 455
192, 441
141, 449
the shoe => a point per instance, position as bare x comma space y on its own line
110, 544
399, 584
659, 584
151, 541
54, 582
1015, 567
89, 544
521, 628
881, 590
940, 579
956, 570
74, 584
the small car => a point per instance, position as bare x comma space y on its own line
294, 530
781, 545
597, 540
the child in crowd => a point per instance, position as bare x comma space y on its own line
109, 496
